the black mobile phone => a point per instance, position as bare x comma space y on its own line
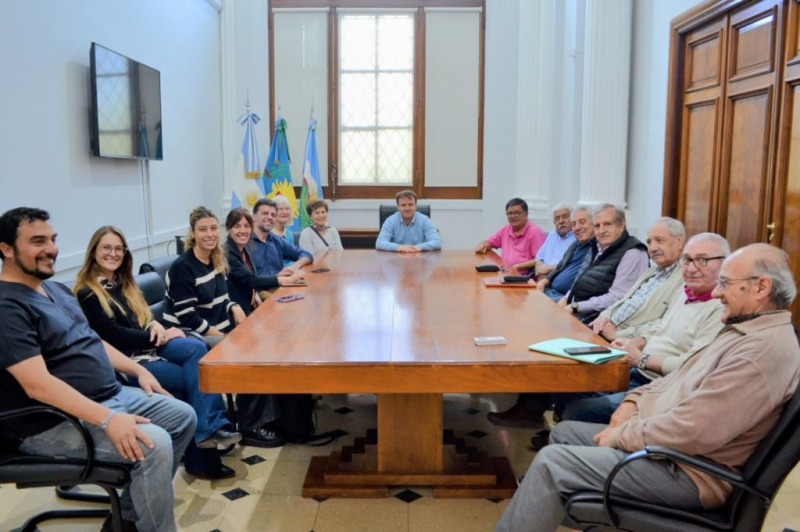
591, 350
487, 268
320, 270
516, 279
288, 299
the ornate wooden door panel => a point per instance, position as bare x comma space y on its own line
786, 217
749, 125
704, 53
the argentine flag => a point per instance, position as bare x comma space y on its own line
248, 187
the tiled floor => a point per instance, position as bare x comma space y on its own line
273, 501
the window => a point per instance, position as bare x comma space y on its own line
399, 86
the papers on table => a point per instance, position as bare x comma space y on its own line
557, 346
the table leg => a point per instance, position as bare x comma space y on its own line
410, 450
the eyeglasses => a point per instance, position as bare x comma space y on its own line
117, 250
723, 283
699, 262
513, 214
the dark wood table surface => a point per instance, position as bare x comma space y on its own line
403, 327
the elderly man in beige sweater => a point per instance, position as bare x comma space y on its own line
756, 356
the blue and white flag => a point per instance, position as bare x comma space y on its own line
312, 186
248, 187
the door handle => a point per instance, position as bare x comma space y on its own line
771, 234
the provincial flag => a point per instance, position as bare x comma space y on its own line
278, 172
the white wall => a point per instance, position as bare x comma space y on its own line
650, 72
44, 138
206, 77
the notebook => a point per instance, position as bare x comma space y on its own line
556, 347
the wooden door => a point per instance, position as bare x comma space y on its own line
703, 86
786, 217
750, 123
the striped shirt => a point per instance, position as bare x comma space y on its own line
197, 296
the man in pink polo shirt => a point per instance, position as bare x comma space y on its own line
519, 240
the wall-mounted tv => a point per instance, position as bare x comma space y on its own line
125, 107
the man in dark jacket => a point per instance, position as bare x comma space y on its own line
575, 259
617, 262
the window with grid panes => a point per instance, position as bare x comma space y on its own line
401, 92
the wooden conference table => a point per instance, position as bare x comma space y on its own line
403, 327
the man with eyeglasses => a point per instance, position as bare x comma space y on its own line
718, 405
691, 323
519, 241
49, 355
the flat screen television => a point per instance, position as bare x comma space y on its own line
125, 107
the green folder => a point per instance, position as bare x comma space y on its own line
556, 347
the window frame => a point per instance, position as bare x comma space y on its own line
333, 189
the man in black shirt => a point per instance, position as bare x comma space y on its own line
49, 355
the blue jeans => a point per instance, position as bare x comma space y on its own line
601, 407
179, 375
553, 294
150, 500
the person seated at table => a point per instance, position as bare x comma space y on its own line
618, 260
408, 231
283, 223
519, 240
690, 324
270, 252
49, 355
557, 242
197, 294
320, 236
654, 292
718, 405
575, 259
243, 282
118, 313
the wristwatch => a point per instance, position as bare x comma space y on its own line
641, 364
574, 306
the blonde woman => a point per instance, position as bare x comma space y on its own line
284, 220
197, 292
117, 311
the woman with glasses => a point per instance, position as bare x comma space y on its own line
320, 236
117, 311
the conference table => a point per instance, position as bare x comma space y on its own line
402, 326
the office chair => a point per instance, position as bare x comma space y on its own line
388, 209
754, 488
29, 471
160, 265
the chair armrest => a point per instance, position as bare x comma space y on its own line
696, 462
48, 410
707, 466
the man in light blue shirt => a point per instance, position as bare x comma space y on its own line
408, 231
557, 242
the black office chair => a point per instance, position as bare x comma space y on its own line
386, 210
160, 265
155, 294
28, 471
754, 488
